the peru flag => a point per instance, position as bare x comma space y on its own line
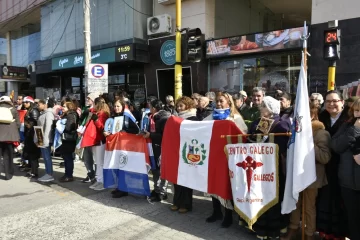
126, 163
193, 155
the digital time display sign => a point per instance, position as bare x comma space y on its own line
124, 53
332, 36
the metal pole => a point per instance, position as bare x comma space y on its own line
178, 66
331, 76
87, 43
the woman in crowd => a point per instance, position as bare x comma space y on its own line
225, 110
346, 143
203, 108
322, 156
94, 133
330, 213
182, 201
128, 126
46, 120
69, 138
154, 131
272, 223
9, 135
31, 152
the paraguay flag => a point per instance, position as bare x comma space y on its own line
126, 163
151, 153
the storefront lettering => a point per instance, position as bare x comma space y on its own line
95, 55
63, 61
78, 60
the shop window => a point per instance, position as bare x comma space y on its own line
269, 71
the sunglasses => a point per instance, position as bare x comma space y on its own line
26, 102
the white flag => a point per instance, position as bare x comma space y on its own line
300, 161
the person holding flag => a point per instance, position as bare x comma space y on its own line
128, 125
225, 110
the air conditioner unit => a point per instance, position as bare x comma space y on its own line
167, 2
31, 68
159, 25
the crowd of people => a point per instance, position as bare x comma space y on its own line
331, 202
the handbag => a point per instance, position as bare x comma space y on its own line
70, 136
6, 115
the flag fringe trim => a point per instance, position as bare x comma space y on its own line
252, 221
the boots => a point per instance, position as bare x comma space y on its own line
217, 214
227, 219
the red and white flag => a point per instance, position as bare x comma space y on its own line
193, 155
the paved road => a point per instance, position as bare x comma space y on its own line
31, 210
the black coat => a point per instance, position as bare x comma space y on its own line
330, 217
343, 143
72, 120
30, 151
160, 119
201, 114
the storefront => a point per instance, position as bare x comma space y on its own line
160, 72
15, 79
64, 75
269, 60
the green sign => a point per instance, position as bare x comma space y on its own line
77, 60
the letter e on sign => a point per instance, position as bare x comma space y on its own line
98, 71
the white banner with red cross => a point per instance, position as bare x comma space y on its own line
253, 169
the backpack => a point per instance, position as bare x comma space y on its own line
6, 115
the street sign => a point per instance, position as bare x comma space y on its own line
98, 78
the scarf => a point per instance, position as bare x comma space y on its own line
187, 114
221, 114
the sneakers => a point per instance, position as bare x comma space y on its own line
46, 178
99, 187
93, 185
88, 180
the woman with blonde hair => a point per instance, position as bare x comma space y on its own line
225, 110
182, 201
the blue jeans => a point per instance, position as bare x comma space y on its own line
46, 154
69, 164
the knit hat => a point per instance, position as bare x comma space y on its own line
93, 96
5, 99
272, 104
28, 99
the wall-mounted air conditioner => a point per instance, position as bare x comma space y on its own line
159, 25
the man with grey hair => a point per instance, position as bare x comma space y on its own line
170, 105
253, 113
211, 96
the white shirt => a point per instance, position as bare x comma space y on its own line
333, 120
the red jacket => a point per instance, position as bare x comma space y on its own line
93, 134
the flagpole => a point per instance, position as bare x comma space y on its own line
304, 38
287, 134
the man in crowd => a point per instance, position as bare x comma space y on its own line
286, 110
252, 113
239, 102
170, 105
